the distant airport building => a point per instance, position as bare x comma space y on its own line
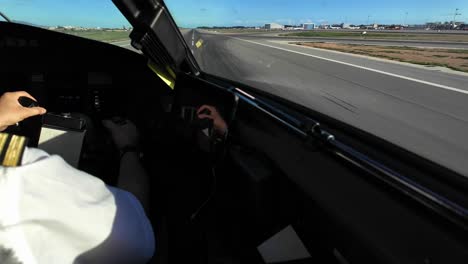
308, 26
273, 26
293, 27
349, 26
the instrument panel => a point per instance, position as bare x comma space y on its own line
93, 93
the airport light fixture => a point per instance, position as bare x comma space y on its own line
455, 17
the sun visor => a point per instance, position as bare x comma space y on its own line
154, 31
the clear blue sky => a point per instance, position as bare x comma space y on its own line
192, 13
88, 13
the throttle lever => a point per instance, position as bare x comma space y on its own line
27, 102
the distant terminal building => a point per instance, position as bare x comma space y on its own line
308, 26
293, 27
273, 26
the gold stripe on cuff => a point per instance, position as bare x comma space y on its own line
3, 139
14, 151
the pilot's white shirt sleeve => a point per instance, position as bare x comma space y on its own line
52, 213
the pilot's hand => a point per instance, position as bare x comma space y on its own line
11, 112
219, 124
124, 133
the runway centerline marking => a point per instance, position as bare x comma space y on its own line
361, 67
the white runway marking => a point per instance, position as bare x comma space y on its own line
362, 67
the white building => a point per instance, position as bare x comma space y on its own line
273, 26
349, 26
308, 26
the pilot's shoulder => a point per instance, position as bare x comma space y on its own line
32, 155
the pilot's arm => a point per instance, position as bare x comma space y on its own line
51, 212
132, 175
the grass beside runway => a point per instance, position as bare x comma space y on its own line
449, 58
398, 35
99, 35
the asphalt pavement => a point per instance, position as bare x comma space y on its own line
378, 42
363, 40
423, 109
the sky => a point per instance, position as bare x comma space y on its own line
194, 13
86, 13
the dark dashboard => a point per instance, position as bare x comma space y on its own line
71, 74
82, 78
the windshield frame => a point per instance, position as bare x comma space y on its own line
7, 19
